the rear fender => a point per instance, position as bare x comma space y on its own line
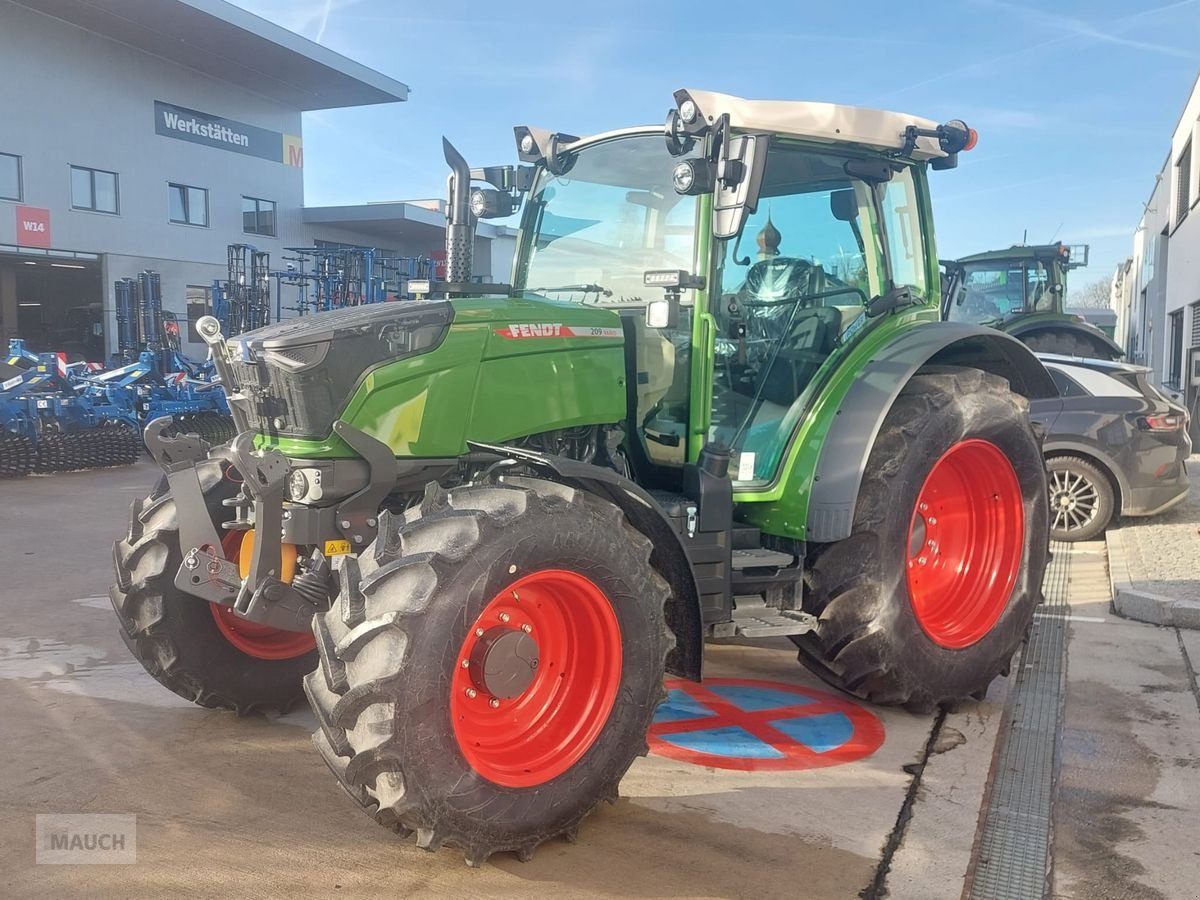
1082, 330
686, 660
844, 453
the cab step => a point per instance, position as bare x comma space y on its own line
761, 558
752, 618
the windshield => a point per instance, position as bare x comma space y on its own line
990, 292
609, 219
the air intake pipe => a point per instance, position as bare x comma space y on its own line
460, 223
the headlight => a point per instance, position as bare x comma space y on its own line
478, 204
683, 177
527, 145
687, 111
297, 485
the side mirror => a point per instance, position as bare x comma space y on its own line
843, 205
739, 180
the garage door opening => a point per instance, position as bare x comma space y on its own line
55, 304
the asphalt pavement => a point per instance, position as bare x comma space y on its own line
874, 802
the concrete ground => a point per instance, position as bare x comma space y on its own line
229, 806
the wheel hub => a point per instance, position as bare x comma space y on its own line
503, 662
965, 543
536, 678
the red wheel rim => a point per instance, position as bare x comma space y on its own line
572, 677
259, 641
965, 543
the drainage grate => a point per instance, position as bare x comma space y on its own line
1013, 851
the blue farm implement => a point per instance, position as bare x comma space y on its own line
50, 421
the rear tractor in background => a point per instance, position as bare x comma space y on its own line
716, 401
1022, 291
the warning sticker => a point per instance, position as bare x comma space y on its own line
10, 384
337, 548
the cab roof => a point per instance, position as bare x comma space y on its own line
1018, 251
824, 122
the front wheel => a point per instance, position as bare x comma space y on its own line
935, 589
491, 665
201, 651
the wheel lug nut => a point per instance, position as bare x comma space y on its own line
471, 693
504, 617
527, 628
478, 632
466, 664
494, 703
923, 507
920, 560
931, 520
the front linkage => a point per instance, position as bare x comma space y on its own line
260, 591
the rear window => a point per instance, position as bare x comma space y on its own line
1066, 385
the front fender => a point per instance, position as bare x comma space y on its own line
844, 453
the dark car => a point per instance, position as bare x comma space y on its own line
1115, 445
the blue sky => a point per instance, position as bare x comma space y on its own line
1075, 106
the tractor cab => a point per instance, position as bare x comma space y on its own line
1022, 292
733, 309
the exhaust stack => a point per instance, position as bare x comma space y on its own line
460, 224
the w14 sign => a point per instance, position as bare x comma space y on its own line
33, 227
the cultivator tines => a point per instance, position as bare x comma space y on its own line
17, 456
96, 448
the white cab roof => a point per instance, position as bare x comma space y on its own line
827, 122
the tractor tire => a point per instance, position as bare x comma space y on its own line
189, 646
1081, 499
1067, 344
935, 588
491, 665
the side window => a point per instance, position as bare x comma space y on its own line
902, 224
1066, 385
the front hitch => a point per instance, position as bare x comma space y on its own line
205, 573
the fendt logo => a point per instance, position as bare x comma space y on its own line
555, 330
33, 227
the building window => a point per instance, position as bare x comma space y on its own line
1175, 350
199, 303
94, 189
258, 216
1183, 184
189, 205
10, 177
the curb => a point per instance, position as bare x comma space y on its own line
1142, 605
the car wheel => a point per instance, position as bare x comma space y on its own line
1081, 499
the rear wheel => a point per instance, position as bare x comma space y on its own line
934, 590
203, 653
491, 665
1081, 499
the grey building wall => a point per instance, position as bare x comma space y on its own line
70, 97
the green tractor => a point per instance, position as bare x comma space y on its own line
1021, 291
715, 402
